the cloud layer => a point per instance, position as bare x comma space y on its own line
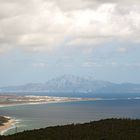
47, 25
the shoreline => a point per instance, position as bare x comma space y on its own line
63, 101
10, 124
47, 102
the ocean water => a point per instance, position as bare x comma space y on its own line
44, 115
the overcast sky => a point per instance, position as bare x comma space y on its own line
41, 39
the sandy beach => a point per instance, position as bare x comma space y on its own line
6, 101
7, 125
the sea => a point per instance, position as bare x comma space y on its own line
37, 116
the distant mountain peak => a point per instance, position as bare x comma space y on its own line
71, 83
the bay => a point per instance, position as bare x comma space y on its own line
44, 115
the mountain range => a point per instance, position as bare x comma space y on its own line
75, 84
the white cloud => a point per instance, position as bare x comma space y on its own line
44, 25
133, 65
40, 65
91, 64
122, 50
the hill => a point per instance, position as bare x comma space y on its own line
109, 129
74, 84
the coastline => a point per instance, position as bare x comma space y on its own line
11, 123
7, 125
47, 102
61, 101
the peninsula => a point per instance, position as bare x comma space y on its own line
10, 100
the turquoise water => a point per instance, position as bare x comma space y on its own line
43, 115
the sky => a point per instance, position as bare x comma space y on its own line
43, 39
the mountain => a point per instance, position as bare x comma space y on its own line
75, 84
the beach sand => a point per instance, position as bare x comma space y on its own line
8, 125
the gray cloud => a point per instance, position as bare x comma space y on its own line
44, 25
116, 1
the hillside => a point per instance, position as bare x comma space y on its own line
109, 129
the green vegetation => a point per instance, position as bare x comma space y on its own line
109, 129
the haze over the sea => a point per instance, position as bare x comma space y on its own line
43, 39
